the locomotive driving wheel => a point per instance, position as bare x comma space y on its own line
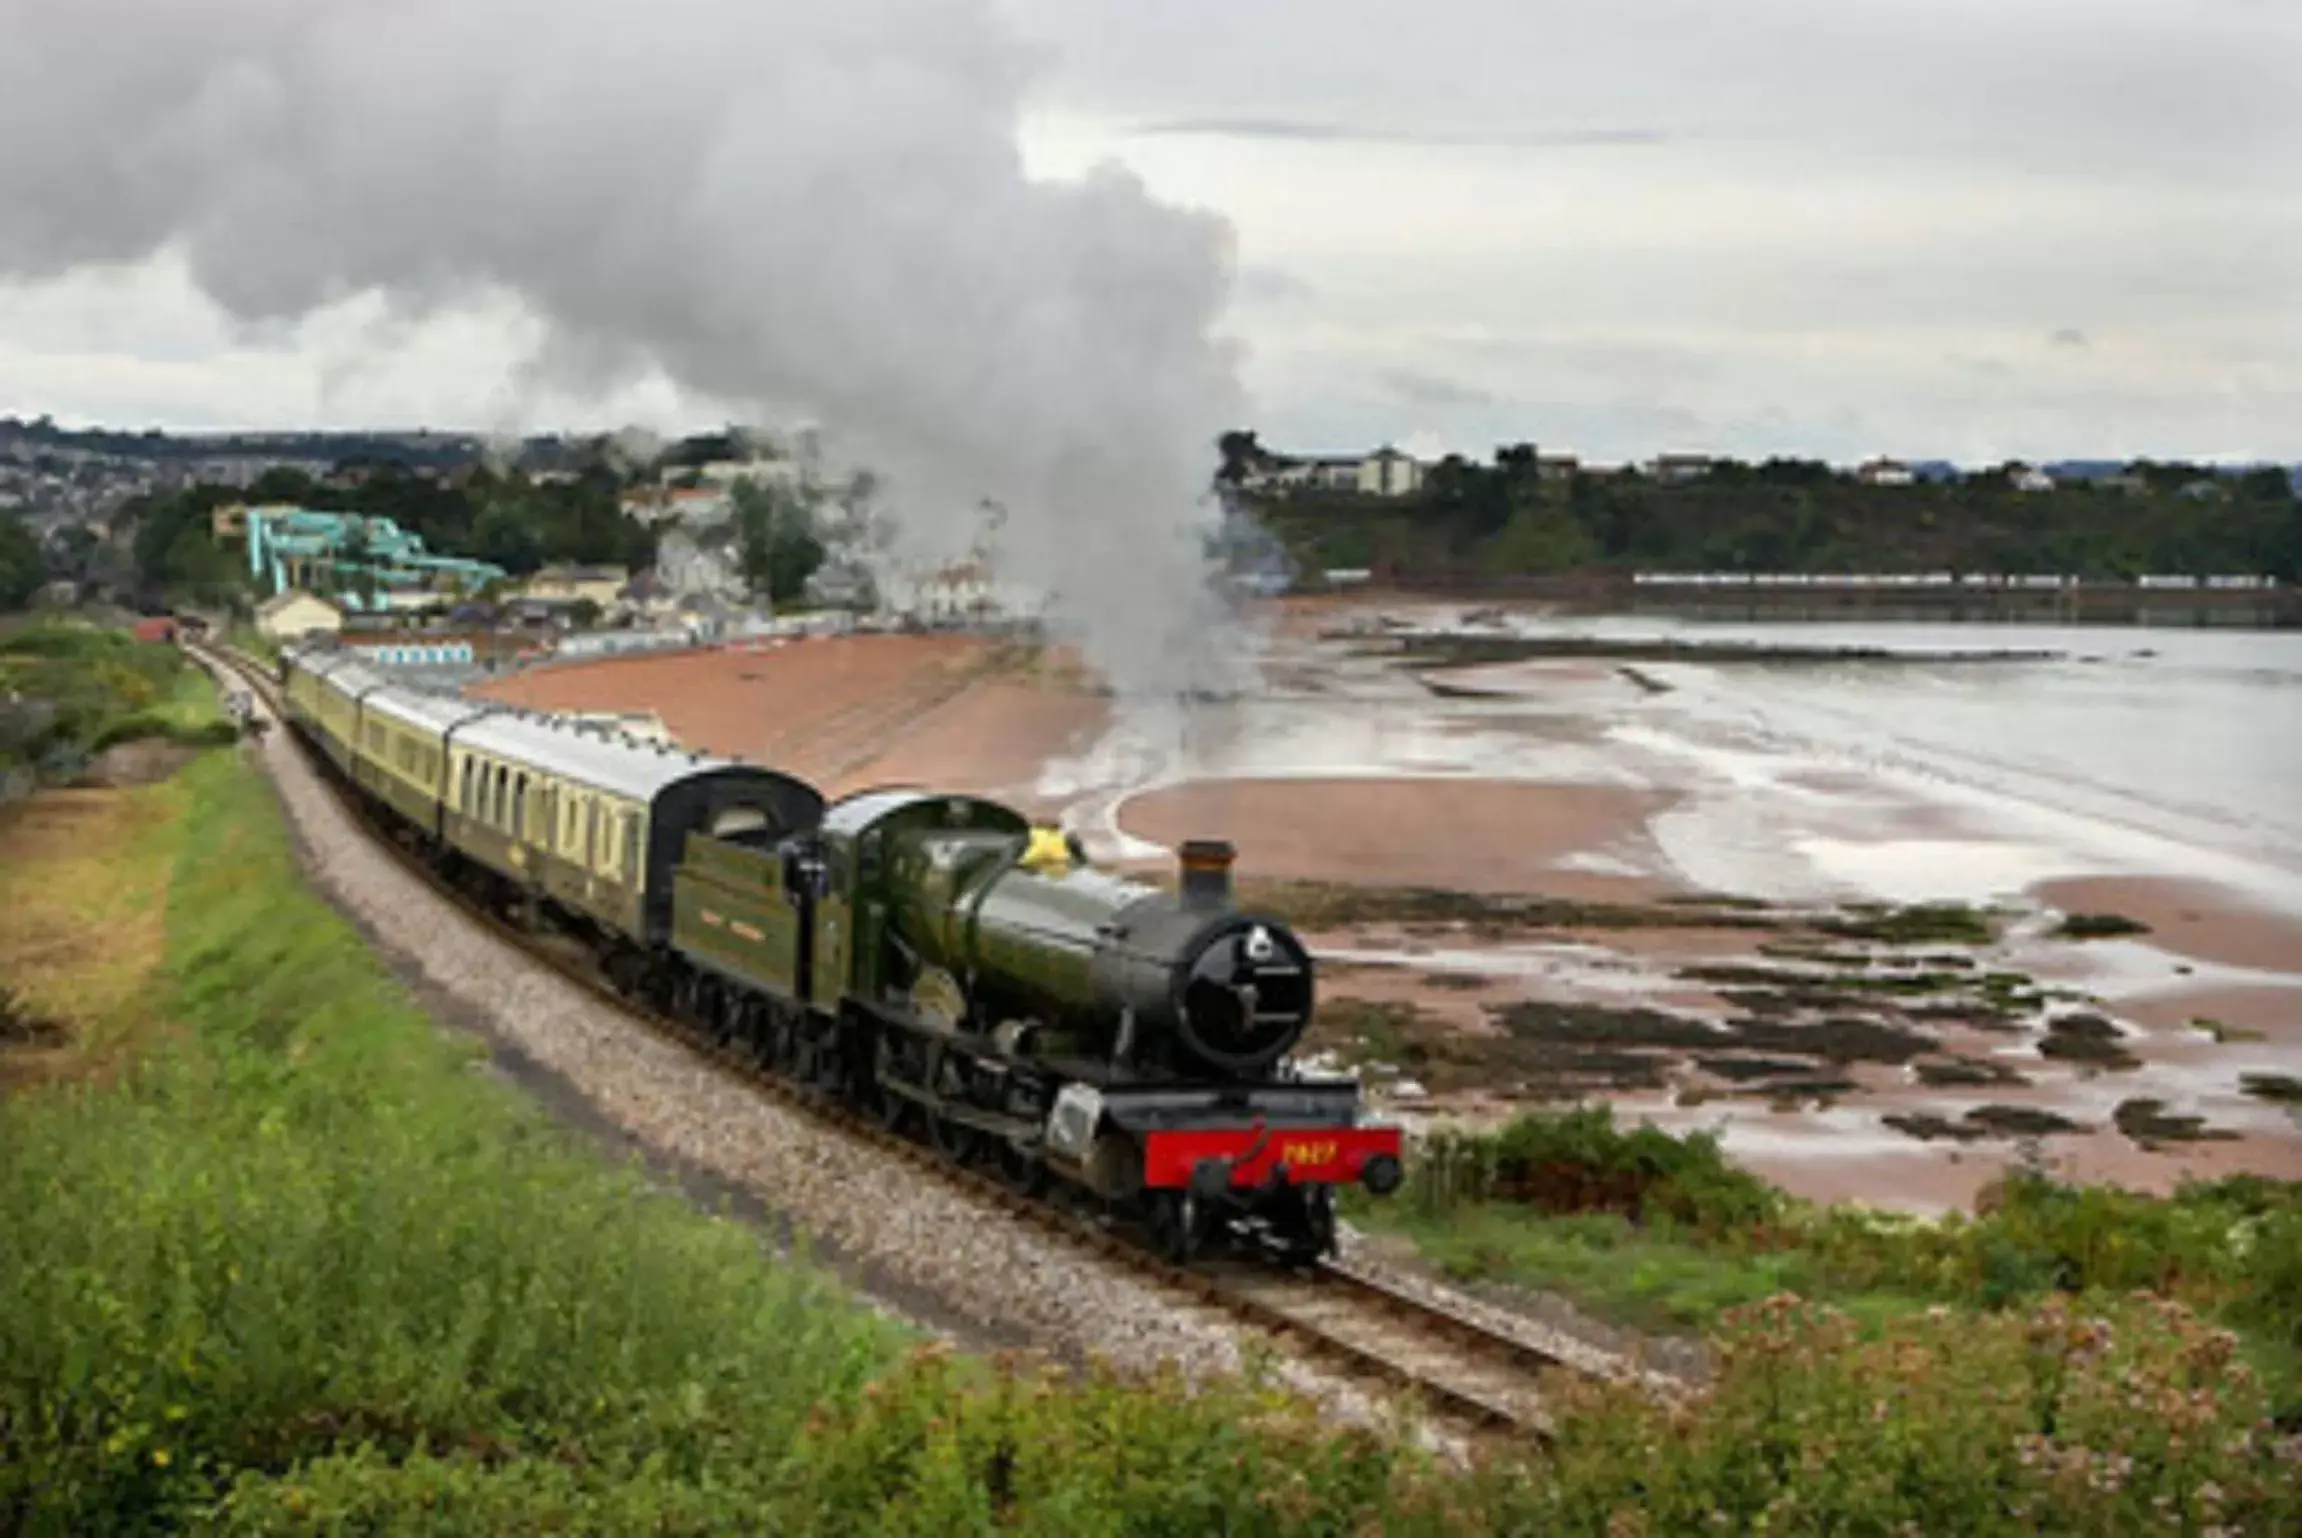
954, 1139
895, 1109
1175, 1225
1020, 1168
1314, 1235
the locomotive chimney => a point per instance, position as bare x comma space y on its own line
1206, 866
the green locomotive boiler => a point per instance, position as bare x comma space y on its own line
1060, 1025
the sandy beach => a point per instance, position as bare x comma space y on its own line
1839, 1060
1462, 835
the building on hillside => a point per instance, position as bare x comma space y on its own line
1387, 472
1681, 467
1885, 472
1556, 467
722, 474
2204, 490
2028, 478
696, 506
958, 593
691, 561
285, 616
842, 584
600, 585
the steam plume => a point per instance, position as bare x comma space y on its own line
787, 207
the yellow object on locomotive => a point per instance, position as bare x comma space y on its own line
1053, 852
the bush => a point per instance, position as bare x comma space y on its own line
2138, 1417
101, 687
1580, 1161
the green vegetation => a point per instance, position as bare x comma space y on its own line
1655, 1230
304, 1227
69, 691
1919, 924
1790, 515
2098, 926
1318, 905
776, 536
21, 568
294, 1268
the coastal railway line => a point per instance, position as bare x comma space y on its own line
1354, 1325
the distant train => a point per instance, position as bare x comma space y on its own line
914, 954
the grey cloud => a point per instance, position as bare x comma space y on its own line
776, 203
1421, 389
2133, 89
2070, 336
1300, 131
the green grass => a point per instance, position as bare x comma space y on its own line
1658, 1279
305, 1225
301, 1269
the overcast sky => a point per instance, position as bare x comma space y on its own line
1965, 228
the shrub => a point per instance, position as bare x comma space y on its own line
2138, 1417
1580, 1161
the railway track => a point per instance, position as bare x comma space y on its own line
1360, 1328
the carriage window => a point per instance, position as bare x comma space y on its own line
630, 848
519, 805
591, 849
503, 796
464, 801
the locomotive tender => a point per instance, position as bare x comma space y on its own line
904, 951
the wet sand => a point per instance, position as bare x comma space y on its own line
2189, 918
1458, 835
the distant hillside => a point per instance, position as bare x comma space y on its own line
418, 448
2170, 519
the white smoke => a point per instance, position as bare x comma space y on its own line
783, 206
629, 450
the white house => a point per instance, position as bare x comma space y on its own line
685, 564
1389, 473
2027, 478
293, 613
722, 474
1385, 473
1884, 472
1681, 467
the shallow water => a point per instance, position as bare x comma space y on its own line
2143, 750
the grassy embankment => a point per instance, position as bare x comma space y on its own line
276, 1259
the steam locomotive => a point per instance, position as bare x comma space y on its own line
918, 955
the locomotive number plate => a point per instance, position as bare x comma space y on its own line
1300, 1154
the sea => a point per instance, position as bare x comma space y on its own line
1943, 774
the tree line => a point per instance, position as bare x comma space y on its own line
1791, 515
